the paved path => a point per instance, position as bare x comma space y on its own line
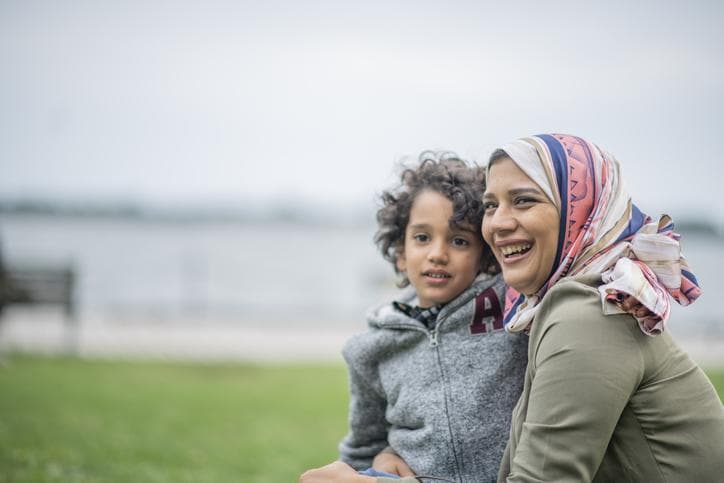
41, 331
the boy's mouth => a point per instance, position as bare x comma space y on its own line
437, 275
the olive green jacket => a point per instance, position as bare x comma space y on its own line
604, 402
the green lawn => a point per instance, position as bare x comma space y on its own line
70, 420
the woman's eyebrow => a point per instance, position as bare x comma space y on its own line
522, 191
514, 192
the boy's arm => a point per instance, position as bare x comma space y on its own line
390, 462
367, 434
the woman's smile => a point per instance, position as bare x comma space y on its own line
514, 251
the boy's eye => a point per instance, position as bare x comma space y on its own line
421, 237
460, 242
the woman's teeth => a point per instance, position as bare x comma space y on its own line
510, 250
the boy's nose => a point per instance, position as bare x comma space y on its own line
438, 253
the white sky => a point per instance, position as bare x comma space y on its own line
202, 101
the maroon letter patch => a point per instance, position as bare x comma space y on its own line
487, 305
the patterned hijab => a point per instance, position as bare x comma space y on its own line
601, 231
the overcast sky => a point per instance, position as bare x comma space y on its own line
206, 101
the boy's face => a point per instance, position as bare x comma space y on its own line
439, 261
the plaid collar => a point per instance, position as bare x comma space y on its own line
428, 316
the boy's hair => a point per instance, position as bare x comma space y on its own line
442, 172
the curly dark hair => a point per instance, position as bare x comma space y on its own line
442, 172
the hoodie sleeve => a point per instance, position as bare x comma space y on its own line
367, 434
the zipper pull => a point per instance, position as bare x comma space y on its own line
433, 338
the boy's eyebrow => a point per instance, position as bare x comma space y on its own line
424, 226
465, 228
419, 226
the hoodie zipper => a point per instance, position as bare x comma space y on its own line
433, 337
434, 342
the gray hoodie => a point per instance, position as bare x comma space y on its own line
442, 398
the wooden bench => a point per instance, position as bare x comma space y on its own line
42, 285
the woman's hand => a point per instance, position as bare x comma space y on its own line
336, 472
632, 306
391, 463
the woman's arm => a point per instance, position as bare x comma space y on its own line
586, 367
336, 472
339, 472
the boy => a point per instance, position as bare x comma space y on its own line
435, 377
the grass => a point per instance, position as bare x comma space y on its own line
716, 376
71, 420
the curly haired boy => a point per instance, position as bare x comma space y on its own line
435, 377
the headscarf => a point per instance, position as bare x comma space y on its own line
601, 231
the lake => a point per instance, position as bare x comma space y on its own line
275, 276
246, 274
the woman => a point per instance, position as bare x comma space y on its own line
608, 396
603, 400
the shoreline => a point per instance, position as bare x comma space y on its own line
45, 331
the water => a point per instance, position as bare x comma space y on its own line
705, 317
272, 274
241, 274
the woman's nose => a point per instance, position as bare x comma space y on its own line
502, 219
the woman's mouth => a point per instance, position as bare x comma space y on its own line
515, 250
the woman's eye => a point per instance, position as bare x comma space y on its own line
489, 205
524, 200
421, 237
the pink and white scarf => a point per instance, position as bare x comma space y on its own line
601, 231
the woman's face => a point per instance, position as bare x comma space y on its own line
520, 225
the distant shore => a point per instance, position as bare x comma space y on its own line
46, 332
249, 212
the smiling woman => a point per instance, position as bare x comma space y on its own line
590, 277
